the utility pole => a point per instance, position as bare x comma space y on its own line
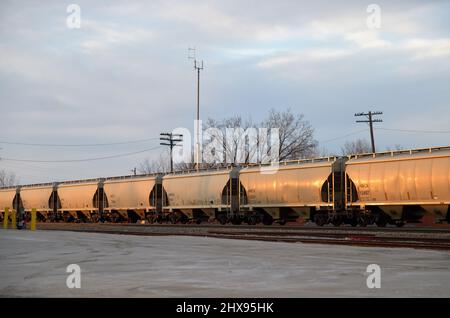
370, 120
198, 66
169, 139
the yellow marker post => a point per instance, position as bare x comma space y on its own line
33, 219
13, 220
5, 218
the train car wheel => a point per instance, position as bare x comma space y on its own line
222, 219
353, 222
336, 221
362, 221
381, 221
236, 221
173, 219
183, 219
267, 220
319, 220
252, 220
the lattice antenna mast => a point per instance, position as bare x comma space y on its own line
198, 66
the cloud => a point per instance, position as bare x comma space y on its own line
101, 36
306, 56
428, 48
125, 74
367, 39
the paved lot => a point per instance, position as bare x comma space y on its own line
34, 264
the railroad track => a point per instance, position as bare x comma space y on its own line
297, 227
442, 243
422, 238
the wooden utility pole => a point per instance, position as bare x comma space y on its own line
370, 120
169, 139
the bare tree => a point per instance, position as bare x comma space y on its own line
321, 152
7, 179
235, 136
158, 165
183, 166
296, 134
358, 146
233, 143
162, 164
396, 147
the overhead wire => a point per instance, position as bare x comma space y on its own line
415, 130
153, 148
77, 145
82, 160
387, 129
343, 136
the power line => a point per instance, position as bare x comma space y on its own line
343, 136
417, 131
82, 160
370, 120
77, 145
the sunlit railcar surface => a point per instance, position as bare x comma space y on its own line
6, 200
129, 198
39, 198
381, 188
79, 201
299, 188
200, 196
400, 186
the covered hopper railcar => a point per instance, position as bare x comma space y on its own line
382, 188
401, 186
131, 198
307, 188
40, 198
199, 196
7, 198
79, 200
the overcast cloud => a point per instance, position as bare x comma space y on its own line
124, 75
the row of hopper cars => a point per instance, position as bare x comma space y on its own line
382, 188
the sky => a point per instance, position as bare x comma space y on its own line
124, 75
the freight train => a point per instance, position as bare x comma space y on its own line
383, 188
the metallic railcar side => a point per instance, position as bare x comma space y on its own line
7, 200
400, 186
198, 196
298, 188
79, 200
132, 198
39, 198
